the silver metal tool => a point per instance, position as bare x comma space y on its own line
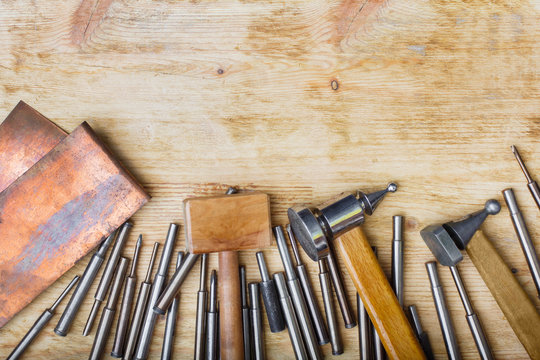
270, 297
472, 319
397, 257
331, 320
420, 333
256, 321
140, 306
125, 308
200, 326
364, 330
298, 300
107, 316
40, 323
212, 316
150, 317
445, 321
246, 327
172, 288
87, 278
524, 237
313, 306
107, 276
339, 289
378, 348
170, 324
290, 317
531, 184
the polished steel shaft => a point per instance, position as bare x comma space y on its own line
140, 306
524, 237
331, 319
170, 324
256, 321
447, 328
420, 333
364, 330
472, 319
313, 306
87, 278
397, 257
300, 307
107, 316
339, 288
150, 317
106, 278
40, 323
290, 317
200, 325
246, 327
212, 316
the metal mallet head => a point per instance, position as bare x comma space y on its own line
314, 228
447, 240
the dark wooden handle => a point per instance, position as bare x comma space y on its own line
230, 307
379, 300
514, 302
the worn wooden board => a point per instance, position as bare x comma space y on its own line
195, 96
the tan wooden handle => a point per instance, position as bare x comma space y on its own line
379, 300
514, 302
230, 307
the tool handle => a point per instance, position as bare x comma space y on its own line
230, 313
514, 302
377, 296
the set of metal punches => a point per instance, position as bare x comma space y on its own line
386, 328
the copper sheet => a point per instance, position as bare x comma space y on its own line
25, 137
56, 212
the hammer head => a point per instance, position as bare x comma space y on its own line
445, 241
227, 223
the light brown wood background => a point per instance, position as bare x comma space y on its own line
194, 96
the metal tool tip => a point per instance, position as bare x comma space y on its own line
139, 240
513, 148
492, 207
392, 187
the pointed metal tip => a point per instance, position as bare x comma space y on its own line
513, 147
392, 187
139, 241
372, 200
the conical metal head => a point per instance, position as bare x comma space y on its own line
463, 230
371, 201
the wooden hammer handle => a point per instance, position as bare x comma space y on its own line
230, 307
514, 302
379, 300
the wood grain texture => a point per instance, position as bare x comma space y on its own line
514, 302
227, 223
196, 96
230, 307
377, 295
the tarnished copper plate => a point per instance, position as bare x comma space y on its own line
56, 212
25, 137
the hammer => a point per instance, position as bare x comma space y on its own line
339, 222
226, 224
446, 242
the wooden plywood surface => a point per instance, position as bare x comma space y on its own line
301, 100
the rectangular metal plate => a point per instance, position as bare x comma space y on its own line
25, 137
58, 211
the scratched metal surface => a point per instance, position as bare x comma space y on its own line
57, 212
25, 137
301, 100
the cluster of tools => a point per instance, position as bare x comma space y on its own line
229, 314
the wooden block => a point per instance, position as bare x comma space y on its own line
58, 211
227, 223
25, 137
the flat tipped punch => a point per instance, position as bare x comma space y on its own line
313, 307
531, 184
245, 313
331, 319
107, 276
420, 333
140, 306
270, 297
397, 257
256, 321
125, 309
40, 323
202, 296
83, 286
